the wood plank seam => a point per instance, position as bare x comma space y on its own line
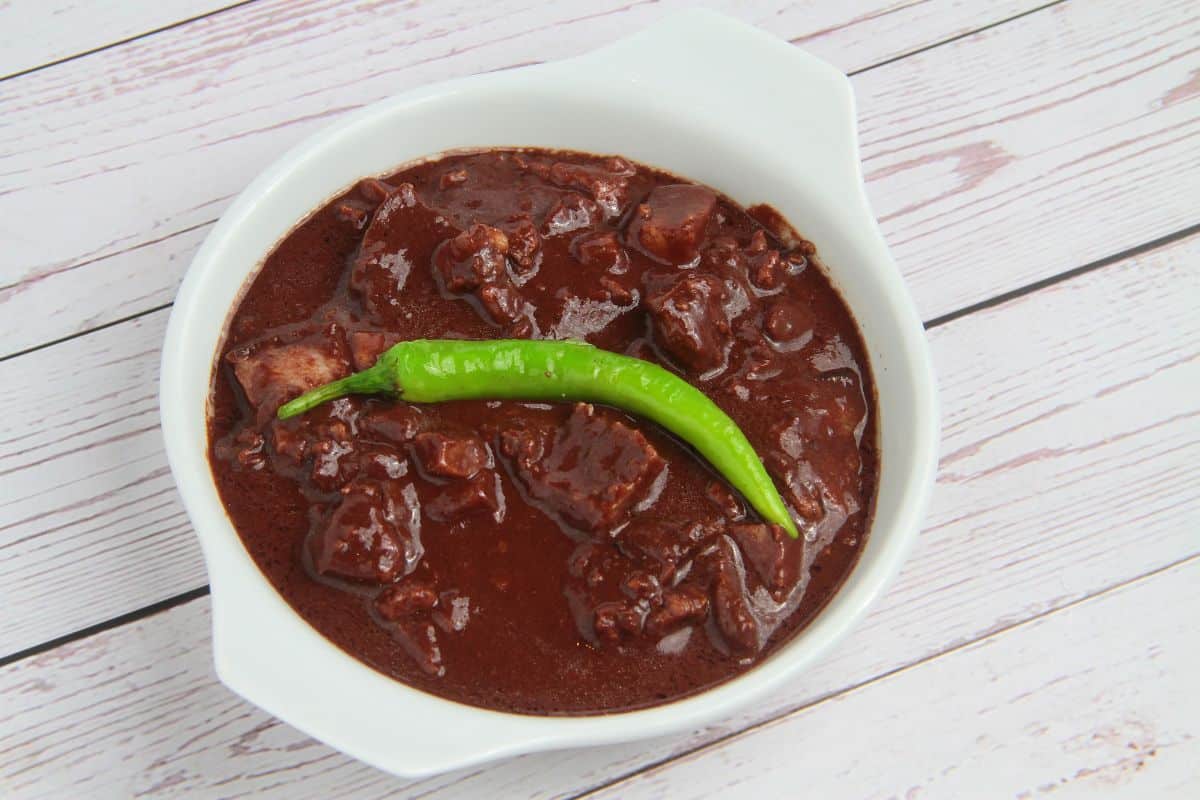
201, 591
59, 269
209, 223
796, 41
1065, 275
102, 327
720, 741
922, 49
991, 302
136, 615
1103, 708
950, 651
658, 766
942, 42
126, 40
1134, 279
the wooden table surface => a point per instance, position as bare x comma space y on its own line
1035, 167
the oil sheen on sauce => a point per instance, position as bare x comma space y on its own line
544, 558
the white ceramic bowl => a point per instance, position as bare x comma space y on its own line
699, 95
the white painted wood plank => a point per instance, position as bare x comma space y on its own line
147, 143
85, 494
1098, 700
1082, 480
1063, 138
38, 32
89, 517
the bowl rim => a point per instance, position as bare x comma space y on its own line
662, 56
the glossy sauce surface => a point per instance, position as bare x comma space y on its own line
537, 558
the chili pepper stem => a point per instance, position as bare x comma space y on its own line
370, 381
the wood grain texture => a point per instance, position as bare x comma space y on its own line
89, 515
1060, 139
151, 140
1070, 466
1094, 701
85, 494
38, 32
1038, 640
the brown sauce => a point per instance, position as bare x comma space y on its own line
544, 559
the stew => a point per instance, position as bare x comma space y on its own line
530, 556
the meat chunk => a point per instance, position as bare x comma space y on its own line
472, 258
367, 346
639, 585
723, 498
508, 308
595, 564
774, 557
475, 260
724, 255
453, 611
398, 423
788, 323
373, 535
452, 456
381, 268
609, 187
407, 610
826, 410
731, 610
615, 291
840, 396
379, 275
819, 462
419, 639
375, 191
333, 463
592, 471
669, 226
383, 464
524, 246
613, 599
271, 373
571, 212
403, 600
767, 270
761, 364
245, 449
667, 546
765, 266
597, 596
617, 620
601, 249
804, 490
468, 461
690, 322
353, 213
686, 605
321, 439
479, 495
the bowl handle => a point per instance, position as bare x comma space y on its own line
703, 57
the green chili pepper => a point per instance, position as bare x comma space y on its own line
433, 371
